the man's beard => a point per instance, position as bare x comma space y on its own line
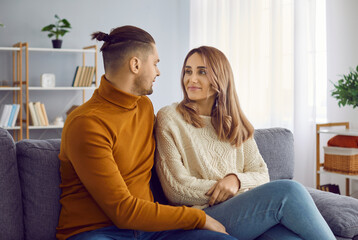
139, 87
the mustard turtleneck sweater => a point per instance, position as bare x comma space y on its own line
107, 153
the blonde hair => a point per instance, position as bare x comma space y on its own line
228, 119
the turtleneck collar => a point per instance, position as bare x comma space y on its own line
112, 94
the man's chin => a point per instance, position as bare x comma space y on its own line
148, 92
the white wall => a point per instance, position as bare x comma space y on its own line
342, 53
166, 21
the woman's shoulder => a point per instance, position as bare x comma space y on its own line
168, 111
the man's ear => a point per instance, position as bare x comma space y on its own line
134, 65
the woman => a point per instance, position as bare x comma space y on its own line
207, 158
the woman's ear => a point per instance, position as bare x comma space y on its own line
134, 65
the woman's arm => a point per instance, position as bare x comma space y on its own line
255, 172
179, 185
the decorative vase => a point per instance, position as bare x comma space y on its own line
56, 43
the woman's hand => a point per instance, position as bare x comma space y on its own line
214, 225
224, 189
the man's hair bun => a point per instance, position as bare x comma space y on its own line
101, 36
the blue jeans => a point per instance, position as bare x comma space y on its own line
281, 209
113, 232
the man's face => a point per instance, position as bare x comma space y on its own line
143, 84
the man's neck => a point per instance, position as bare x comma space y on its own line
120, 81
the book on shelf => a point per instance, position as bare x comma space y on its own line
33, 117
333, 188
38, 114
44, 114
83, 76
12, 120
5, 114
74, 77
9, 115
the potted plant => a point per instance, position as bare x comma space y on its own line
346, 90
60, 28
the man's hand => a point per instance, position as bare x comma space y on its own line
224, 189
214, 225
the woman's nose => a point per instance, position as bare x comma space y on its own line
193, 79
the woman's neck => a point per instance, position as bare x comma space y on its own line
205, 106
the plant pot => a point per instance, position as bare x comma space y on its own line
56, 43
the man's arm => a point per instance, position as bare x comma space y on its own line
89, 148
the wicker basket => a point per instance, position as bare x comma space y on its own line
341, 160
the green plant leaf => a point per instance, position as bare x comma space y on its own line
57, 29
346, 89
48, 28
66, 23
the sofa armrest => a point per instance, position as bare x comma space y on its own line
340, 212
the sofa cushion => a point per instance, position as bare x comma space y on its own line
276, 148
11, 226
39, 170
340, 212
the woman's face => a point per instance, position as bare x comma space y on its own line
196, 82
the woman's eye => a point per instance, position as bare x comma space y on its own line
202, 72
187, 71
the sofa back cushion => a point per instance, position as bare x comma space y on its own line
39, 170
11, 226
276, 148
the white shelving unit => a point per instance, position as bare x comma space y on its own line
30, 90
17, 84
61, 88
319, 165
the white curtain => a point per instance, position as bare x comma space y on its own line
277, 51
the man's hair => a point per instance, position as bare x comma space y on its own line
228, 119
121, 42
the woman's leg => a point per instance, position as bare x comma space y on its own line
278, 232
285, 202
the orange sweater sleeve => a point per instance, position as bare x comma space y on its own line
89, 147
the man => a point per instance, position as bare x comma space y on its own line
107, 153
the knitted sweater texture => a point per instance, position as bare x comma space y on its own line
107, 153
190, 160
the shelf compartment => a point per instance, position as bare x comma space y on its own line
355, 177
9, 88
32, 49
46, 127
61, 88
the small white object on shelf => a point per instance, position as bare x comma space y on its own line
48, 80
58, 121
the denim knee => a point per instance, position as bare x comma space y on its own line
289, 187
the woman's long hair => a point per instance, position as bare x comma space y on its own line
228, 119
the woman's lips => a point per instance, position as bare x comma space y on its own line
193, 88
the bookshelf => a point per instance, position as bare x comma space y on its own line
330, 128
15, 88
21, 90
36, 90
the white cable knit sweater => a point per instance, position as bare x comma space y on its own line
190, 160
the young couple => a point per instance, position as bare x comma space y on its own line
206, 157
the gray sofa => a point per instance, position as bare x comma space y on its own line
30, 178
